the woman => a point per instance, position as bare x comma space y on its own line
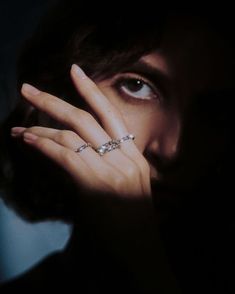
123, 128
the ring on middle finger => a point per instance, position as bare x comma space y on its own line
107, 147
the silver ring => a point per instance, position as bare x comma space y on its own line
113, 144
125, 138
107, 147
84, 146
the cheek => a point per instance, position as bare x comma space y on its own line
141, 131
145, 124
154, 126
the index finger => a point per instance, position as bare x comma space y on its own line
80, 121
107, 113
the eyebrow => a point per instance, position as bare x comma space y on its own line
152, 73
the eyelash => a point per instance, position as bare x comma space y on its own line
125, 77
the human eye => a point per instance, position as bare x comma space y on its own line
134, 87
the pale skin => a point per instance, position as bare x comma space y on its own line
116, 173
123, 172
154, 111
126, 173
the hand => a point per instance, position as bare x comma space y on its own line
121, 172
127, 229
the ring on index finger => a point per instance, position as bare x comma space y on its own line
125, 138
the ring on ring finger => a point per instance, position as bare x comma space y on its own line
82, 147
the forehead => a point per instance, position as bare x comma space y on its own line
194, 55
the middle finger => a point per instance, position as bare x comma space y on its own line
82, 122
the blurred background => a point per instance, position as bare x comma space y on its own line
21, 244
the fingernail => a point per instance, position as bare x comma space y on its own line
16, 131
78, 71
28, 89
30, 137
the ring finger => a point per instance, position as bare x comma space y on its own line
72, 141
58, 143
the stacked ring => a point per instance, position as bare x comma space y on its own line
113, 144
84, 146
107, 147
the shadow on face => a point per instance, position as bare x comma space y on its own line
199, 63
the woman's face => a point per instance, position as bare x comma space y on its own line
163, 99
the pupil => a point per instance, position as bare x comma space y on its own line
134, 85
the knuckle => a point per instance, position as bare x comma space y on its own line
132, 171
47, 102
68, 133
34, 130
42, 143
119, 182
31, 129
81, 116
67, 155
114, 114
92, 87
64, 136
70, 114
85, 116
